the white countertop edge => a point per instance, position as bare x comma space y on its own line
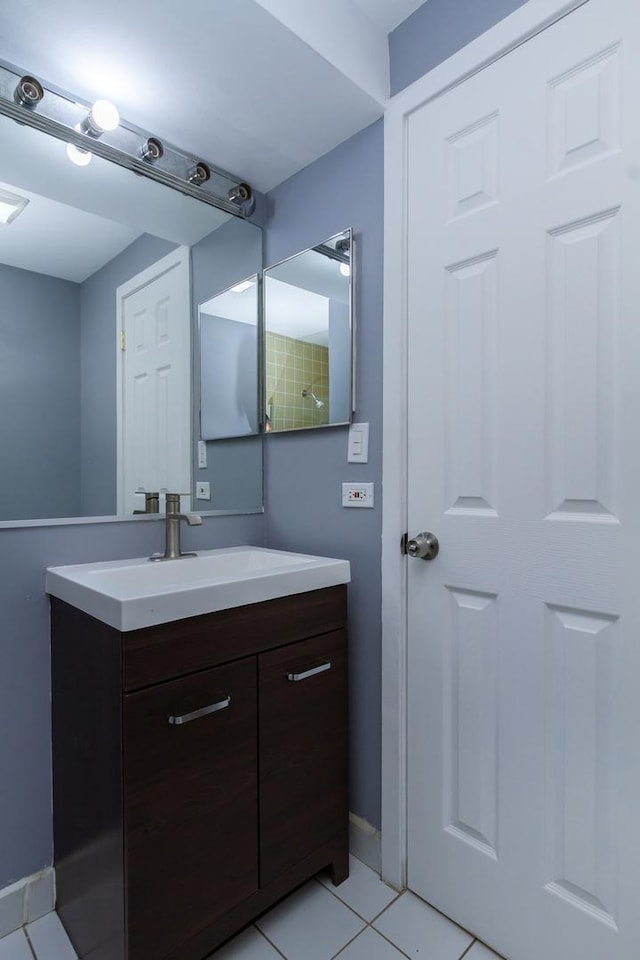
148, 611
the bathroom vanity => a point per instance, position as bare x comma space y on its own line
200, 767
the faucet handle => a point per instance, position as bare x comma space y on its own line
173, 501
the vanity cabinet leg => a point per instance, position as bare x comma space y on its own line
339, 868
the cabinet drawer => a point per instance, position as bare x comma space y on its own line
190, 804
302, 692
176, 649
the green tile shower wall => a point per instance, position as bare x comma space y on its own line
291, 367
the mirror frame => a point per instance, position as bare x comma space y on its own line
353, 245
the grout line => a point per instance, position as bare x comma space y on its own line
463, 955
390, 942
278, 951
334, 894
348, 944
332, 891
31, 946
378, 915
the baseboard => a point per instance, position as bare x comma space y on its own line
364, 842
27, 900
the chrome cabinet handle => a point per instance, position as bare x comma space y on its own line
202, 712
297, 677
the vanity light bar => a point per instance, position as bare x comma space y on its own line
29, 101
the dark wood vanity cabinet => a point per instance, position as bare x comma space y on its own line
200, 771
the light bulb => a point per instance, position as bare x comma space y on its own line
80, 157
345, 269
104, 116
241, 287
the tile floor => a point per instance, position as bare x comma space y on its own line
363, 919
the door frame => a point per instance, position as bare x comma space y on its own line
179, 259
519, 27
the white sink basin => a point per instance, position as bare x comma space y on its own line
130, 594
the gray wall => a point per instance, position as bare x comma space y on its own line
98, 381
342, 189
437, 30
39, 391
228, 377
228, 255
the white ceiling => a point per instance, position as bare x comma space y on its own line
388, 14
258, 87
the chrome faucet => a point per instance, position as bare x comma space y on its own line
173, 517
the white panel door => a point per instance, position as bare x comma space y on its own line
156, 383
524, 459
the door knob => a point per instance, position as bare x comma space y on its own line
424, 546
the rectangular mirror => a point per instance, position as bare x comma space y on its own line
102, 265
229, 349
309, 325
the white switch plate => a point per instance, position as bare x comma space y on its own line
203, 490
357, 495
358, 446
202, 453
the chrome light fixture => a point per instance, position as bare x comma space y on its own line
28, 92
78, 156
199, 173
102, 118
151, 150
99, 127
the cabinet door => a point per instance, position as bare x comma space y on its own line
303, 749
191, 806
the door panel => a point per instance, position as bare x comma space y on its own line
523, 235
156, 387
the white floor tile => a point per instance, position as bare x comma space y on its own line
49, 939
420, 931
480, 952
364, 891
369, 945
311, 924
15, 947
40, 896
11, 909
248, 945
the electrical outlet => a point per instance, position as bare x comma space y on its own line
357, 495
203, 490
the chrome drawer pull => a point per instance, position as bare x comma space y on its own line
212, 708
296, 677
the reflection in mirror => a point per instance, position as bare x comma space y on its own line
229, 362
68, 262
308, 337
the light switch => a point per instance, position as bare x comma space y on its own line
358, 449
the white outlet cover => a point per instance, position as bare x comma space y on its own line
357, 495
203, 490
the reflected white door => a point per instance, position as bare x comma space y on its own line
524, 438
155, 412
